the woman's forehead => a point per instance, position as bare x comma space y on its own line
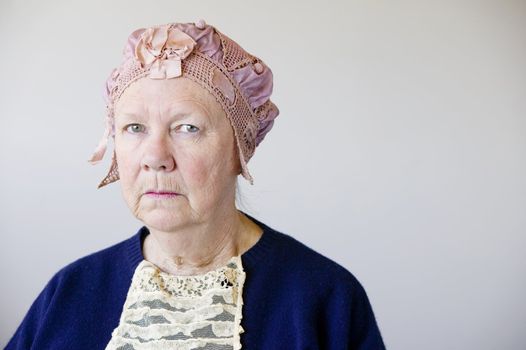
171, 93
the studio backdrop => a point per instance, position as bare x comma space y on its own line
399, 151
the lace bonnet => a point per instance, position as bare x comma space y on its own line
239, 81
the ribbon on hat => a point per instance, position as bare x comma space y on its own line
98, 154
161, 50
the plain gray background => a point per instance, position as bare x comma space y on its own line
400, 150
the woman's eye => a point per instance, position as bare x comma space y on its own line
135, 128
190, 128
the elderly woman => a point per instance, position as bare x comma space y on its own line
186, 109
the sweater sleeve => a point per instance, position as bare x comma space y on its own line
30, 326
364, 332
350, 317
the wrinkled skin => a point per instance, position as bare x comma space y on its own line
171, 135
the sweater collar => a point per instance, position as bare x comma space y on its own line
249, 258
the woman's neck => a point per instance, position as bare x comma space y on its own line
201, 248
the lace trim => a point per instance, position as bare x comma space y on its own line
164, 311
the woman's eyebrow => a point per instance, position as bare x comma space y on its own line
177, 110
195, 109
127, 115
175, 115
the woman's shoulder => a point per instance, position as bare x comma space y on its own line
296, 279
117, 258
93, 286
290, 256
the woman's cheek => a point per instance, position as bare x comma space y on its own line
196, 170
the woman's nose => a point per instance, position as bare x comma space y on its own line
158, 154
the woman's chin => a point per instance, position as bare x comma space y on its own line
162, 219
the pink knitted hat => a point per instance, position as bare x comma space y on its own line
240, 82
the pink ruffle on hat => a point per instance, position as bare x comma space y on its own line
239, 81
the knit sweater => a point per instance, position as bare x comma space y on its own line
294, 298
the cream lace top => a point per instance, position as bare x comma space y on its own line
197, 312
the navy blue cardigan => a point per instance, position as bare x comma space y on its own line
294, 298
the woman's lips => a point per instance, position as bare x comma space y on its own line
154, 194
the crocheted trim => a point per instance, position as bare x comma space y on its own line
185, 312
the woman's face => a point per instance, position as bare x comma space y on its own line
172, 136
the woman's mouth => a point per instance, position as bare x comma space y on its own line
161, 194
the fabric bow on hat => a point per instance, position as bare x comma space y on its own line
161, 49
